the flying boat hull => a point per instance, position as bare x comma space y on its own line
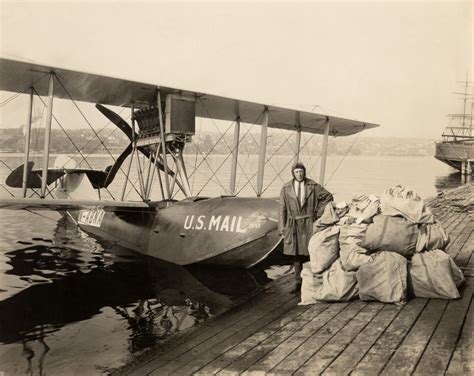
223, 231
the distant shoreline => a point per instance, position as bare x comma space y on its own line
115, 155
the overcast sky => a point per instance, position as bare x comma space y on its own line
392, 63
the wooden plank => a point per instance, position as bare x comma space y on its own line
470, 265
456, 226
375, 359
253, 333
410, 350
447, 218
245, 354
324, 357
436, 357
462, 361
178, 359
453, 219
318, 339
464, 254
462, 235
281, 351
213, 327
356, 350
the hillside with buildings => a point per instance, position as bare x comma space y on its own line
86, 140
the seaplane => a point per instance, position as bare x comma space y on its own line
224, 231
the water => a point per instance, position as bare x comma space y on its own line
69, 304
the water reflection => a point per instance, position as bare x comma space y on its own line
72, 283
452, 180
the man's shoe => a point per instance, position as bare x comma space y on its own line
296, 289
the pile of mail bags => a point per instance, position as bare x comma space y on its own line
385, 248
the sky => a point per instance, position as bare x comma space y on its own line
392, 63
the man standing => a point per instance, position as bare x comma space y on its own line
302, 201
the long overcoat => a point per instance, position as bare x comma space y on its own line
296, 221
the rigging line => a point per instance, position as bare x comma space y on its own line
248, 154
8, 100
215, 125
64, 131
268, 159
311, 163
314, 133
215, 144
343, 158
5, 188
70, 140
36, 129
249, 180
274, 152
84, 117
240, 177
195, 157
130, 190
285, 166
7, 166
214, 173
279, 166
11, 170
210, 168
210, 151
97, 146
274, 120
109, 135
245, 165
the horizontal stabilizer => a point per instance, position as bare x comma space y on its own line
98, 178
61, 205
15, 179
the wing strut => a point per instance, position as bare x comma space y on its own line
262, 154
235, 149
298, 136
27, 143
47, 136
163, 147
324, 153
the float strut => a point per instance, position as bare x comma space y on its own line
24, 183
262, 154
47, 136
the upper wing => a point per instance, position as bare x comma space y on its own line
18, 76
58, 204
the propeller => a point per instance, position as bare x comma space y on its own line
127, 129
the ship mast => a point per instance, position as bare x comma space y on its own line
465, 128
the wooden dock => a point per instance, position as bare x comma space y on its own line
271, 334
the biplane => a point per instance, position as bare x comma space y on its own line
230, 231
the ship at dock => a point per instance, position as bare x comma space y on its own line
457, 147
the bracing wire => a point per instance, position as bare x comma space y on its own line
196, 155
93, 130
225, 159
285, 166
215, 125
72, 142
17, 94
5, 188
84, 117
343, 158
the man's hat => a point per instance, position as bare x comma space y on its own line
298, 165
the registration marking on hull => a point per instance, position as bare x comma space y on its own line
91, 217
